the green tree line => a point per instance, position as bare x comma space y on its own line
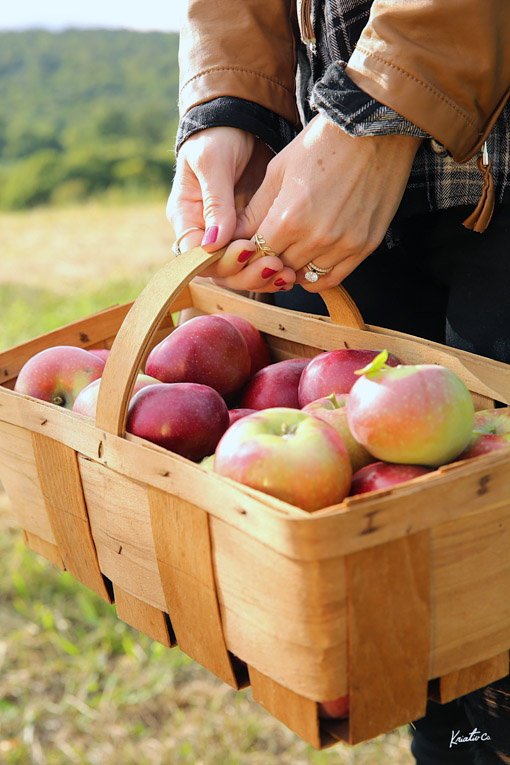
83, 112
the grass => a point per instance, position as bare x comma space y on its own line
76, 684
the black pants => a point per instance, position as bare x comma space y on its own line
450, 285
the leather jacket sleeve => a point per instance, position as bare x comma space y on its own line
443, 65
244, 49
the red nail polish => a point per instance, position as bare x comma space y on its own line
282, 289
267, 272
245, 255
210, 236
280, 283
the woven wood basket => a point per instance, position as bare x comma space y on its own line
392, 597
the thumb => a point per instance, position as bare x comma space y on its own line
216, 181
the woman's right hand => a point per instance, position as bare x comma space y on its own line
217, 172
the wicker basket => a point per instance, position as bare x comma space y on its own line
391, 597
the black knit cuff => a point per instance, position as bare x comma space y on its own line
349, 107
228, 111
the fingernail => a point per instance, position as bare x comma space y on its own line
210, 236
280, 283
245, 255
267, 272
282, 289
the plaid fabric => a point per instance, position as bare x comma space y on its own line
436, 181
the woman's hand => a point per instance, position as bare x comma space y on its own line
217, 172
329, 197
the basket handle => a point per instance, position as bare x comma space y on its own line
144, 318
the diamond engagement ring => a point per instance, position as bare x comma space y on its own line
175, 247
313, 272
262, 245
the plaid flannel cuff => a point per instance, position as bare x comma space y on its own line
349, 107
228, 111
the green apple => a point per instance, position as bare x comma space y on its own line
414, 414
333, 410
288, 454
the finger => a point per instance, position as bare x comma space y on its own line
266, 274
237, 255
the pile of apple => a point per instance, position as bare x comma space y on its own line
308, 431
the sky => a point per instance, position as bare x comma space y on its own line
148, 15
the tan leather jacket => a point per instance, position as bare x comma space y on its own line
442, 64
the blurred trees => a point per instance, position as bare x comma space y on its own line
85, 111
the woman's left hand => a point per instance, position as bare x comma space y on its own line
329, 198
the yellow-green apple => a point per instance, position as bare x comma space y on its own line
86, 400
58, 374
491, 430
333, 410
274, 385
236, 414
414, 414
205, 349
288, 454
101, 352
334, 372
334, 709
208, 462
186, 418
257, 347
382, 475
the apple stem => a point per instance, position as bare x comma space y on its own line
378, 363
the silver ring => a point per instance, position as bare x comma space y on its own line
262, 245
175, 247
313, 272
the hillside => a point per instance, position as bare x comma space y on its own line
84, 111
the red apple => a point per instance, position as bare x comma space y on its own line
333, 410
236, 414
58, 374
86, 400
274, 385
414, 414
382, 475
337, 708
288, 454
205, 349
334, 372
187, 418
491, 431
257, 348
101, 352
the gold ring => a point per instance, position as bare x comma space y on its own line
313, 272
175, 247
262, 245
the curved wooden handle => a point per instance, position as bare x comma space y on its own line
144, 318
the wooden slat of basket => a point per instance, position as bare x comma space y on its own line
285, 618
468, 679
143, 617
296, 712
389, 635
59, 478
470, 589
44, 548
19, 476
183, 549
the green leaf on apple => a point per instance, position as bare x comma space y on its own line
378, 363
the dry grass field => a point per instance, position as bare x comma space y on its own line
77, 686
